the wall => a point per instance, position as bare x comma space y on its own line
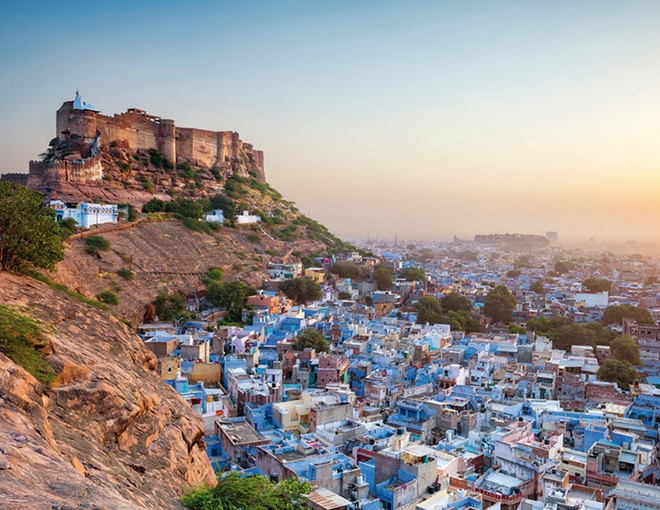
42, 172
202, 147
206, 372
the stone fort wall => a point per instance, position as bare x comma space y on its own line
43, 172
142, 131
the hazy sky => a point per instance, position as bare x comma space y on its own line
422, 118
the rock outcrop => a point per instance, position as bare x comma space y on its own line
109, 434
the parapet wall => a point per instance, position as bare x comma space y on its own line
43, 172
16, 178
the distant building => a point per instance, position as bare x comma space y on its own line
217, 216
552, 237
84, 213
245, 218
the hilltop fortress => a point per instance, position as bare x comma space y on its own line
81, 123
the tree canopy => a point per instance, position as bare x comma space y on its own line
311, 338
455, 302
28, 232
620, 372
413, 274
429, 310
170, 306
236, 492
499, 304
301, 290
616, 313
349, 270
537, 286
597, 284
233, 295
572, 334
624, 348
461, 321
383, 277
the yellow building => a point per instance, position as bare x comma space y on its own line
315, 273
169, 366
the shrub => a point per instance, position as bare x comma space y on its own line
216, 173
159, 160
107, 296
68, 227
126, 274
95, 244
197, 226
154, 205
22, 340
254, 238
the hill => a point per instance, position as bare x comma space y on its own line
108, 432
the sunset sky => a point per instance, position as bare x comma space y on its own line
426, 119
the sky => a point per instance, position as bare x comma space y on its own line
424, 119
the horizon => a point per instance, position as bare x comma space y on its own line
380, 118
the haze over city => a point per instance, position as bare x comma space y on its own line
417, 118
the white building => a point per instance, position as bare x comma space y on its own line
590, 299
278, 271
217, 216
84, 213
245, 218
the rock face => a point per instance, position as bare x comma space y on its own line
109, 434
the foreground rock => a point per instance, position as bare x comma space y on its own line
109, 434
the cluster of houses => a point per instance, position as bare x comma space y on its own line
399, 414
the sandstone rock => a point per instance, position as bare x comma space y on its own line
112, 436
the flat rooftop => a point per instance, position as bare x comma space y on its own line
239, 432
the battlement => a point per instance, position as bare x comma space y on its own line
16, 178
44, 172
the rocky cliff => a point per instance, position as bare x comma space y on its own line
108, 434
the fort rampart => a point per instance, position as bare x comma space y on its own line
143, 131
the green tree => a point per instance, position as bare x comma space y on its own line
232, 295
301, 290
562, 267
237, 492
624, 348
107, 296
461, 321
311, 338
516, 329
499, 304
349, 270
226, 204
572, 334
68, 227
29, 233
513, 273
597, 284
538, 286
383, 277
522, 261
429, 310
170, 306
620, 372
95, 244
413, 274
154, 205
213, 274
455, 302
344, 295
604, 336
616, 313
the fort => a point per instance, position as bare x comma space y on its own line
137, 130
